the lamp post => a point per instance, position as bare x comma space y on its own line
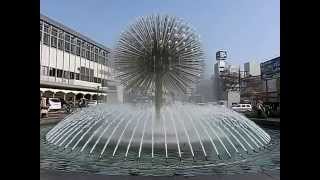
98, 88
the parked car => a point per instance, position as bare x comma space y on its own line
242, 107
92, 103
54, 104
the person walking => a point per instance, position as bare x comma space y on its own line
261, 110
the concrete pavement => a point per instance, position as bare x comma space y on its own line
50, 175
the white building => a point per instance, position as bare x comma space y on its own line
73, 66
252, 68
220, 65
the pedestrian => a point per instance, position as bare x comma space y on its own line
260, 109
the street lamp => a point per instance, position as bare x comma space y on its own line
98, 88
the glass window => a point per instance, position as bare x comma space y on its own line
82, 73
78, 42
96, 50
60, 44
66, 74
88, 54
54, 32
87, 74
40, 35
59, 73
67, 37
83, 52
73, 39
46, 28
67, 46
95, 57
52, 72
71, 75
46, 39
100, 60
77, 50
61, 34
41, 24
53, 41
91, 75
92, 56
73, 49
77, 76
45, 70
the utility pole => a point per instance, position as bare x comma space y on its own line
98, 88
239, 80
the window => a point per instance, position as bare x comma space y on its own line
78, 42
41, 24
95, 57
83, 53
82, 73
87, 74
92, 56
88, 54
71, 75
98, 80
100, 59
67, 37
95, 80
66, 74
61, 34
40, 35
54, 32
45, 70
77, 50
77, 76
60, 44
52, 72
91, 74
46, 28
53, 41
73, 49
46, 39
67, 46
59, 73
73, 39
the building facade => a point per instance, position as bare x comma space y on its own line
252, 68
265, 86
72, 66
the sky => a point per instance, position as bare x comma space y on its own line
249, 30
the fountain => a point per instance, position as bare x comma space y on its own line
159, 55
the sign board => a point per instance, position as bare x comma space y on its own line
221, 55
270, 69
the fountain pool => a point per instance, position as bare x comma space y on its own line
55, 158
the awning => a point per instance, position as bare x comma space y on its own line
70, 91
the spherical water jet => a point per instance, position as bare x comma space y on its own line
147, 59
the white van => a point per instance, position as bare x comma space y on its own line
242, 107
54, 104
